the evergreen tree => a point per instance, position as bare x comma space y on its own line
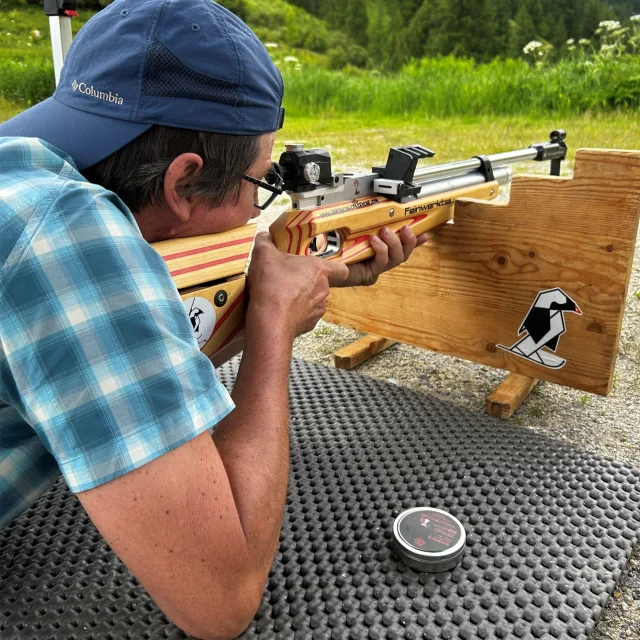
504, 26
383, 30
593, 15
464, 28
412, 40
356, 21
523, 32
394, 31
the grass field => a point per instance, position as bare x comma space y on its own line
443, 87
362, 141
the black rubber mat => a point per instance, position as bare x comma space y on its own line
549, 530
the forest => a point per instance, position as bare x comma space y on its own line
393, 32
385, 35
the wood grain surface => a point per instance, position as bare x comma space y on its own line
508, 396
359, 351
471, 286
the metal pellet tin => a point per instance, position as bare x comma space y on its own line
429, 540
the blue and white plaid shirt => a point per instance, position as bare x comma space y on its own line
100, 371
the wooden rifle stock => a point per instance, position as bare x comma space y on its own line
210, 270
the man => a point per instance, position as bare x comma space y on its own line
161, 127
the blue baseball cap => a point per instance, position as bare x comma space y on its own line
190, 64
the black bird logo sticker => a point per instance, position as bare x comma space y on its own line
542, 327
202, 317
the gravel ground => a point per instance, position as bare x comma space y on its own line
607, 426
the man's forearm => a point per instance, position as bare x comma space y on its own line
253, 441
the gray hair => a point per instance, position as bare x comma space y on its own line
136, 172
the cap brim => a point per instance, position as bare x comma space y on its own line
86, 137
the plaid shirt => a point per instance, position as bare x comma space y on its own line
100, 371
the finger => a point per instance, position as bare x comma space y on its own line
408, 241
422, 238
337, 272
264, 237
381, 254
396, 254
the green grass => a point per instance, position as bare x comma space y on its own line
449, 87
441, 88
357, 142
18, 25
26, 69
364, 141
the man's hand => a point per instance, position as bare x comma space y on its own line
390, 251
290, 290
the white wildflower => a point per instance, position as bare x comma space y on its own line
570, 41
291, 59
271, 45
532, 46
607, 47
584, 41
609, 25
635, 18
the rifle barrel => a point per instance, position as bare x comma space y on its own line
457, 168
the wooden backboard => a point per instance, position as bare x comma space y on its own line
477, 288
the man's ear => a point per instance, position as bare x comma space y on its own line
181, 173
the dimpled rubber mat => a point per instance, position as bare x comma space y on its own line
549, 530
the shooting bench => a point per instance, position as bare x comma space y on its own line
471, 287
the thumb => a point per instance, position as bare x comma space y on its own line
264, 238
338, 272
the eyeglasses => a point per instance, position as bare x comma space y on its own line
269, 188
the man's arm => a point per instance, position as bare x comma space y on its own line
199, 526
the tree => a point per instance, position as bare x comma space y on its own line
523, 32
412, 40
356, 21
464, 28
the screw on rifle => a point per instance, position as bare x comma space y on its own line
492, 191
391, 212
220, 299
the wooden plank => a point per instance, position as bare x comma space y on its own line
199, 259
468, 290
359, 351
507, 397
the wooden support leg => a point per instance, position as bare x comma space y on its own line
357, 352
506, 398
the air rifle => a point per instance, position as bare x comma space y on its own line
333, 216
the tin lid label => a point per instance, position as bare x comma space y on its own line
429, 531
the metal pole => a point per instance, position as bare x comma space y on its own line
60, 41
457, 168
60, 13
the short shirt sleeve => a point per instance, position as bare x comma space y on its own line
101, 355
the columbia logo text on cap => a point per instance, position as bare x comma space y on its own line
94, 93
